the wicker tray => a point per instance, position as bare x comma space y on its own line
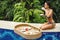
27, 36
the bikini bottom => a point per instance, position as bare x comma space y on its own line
53, 23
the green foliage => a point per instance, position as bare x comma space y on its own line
6, 9
3, 6
23, 14
37, 17
56, 8
27, 10
19, 12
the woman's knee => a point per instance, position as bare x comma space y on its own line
44, 24
46, 27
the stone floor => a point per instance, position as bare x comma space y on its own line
10, 25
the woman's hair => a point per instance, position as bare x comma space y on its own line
49, 4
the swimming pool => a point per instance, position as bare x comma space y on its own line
6, 34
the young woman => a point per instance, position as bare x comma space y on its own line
48, 13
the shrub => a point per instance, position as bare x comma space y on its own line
23, 14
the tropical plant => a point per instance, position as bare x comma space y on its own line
26, 10
28, 14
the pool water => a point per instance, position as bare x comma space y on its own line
11, 35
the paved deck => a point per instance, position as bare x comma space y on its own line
10, 25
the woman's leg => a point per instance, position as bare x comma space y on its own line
44, 24
48, 26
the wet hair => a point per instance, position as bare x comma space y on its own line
49, 4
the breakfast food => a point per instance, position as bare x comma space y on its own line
27, 31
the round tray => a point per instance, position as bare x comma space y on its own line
27, 36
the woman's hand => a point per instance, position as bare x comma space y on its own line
41, 14
43, 8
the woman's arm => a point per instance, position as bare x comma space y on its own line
50, 13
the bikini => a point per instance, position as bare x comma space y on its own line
53, 23
48, 18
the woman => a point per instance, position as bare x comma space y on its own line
48, 13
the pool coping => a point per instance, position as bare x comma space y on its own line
10, 25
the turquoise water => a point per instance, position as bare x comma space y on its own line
10, 35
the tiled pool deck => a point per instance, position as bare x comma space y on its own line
10, 25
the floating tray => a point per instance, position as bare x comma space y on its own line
27, 31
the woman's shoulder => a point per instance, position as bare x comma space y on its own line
51, 10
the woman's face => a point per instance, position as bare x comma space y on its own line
46, 5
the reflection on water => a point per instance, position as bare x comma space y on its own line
10, 35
